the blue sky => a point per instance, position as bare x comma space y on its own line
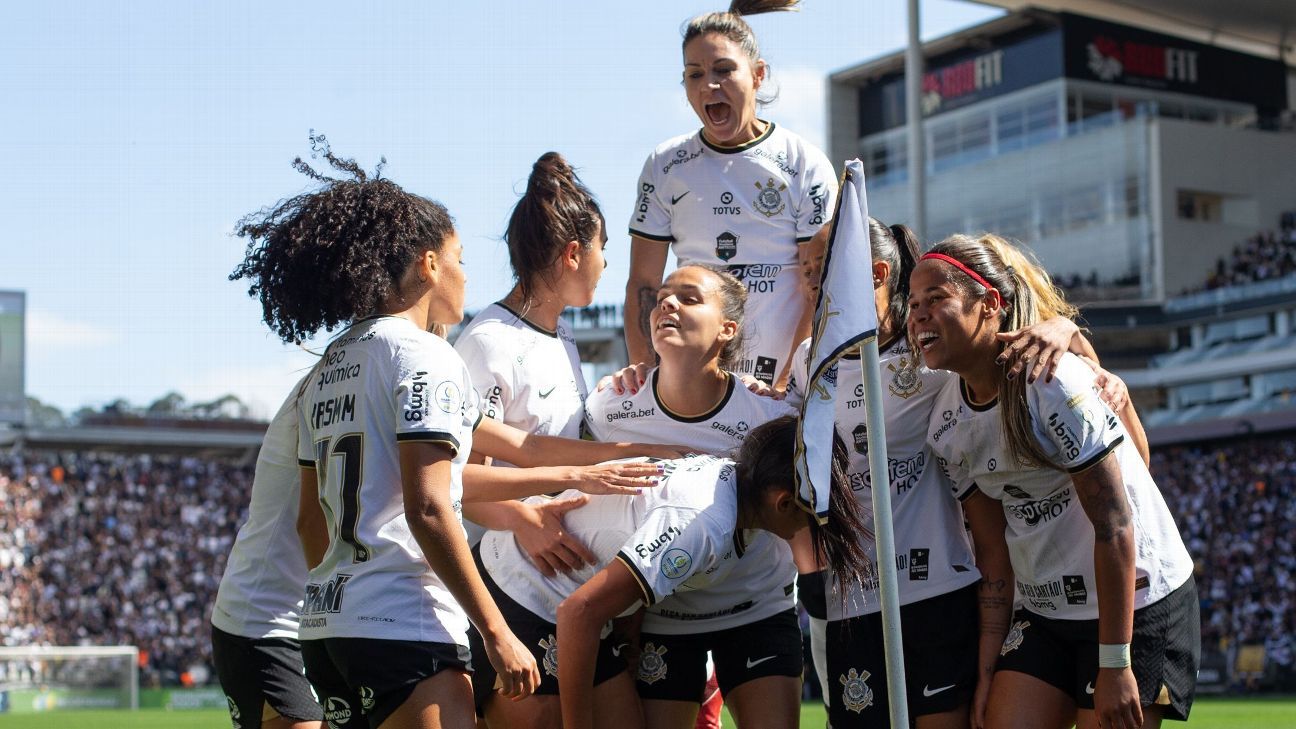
136, 134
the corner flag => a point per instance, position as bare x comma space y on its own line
845, 315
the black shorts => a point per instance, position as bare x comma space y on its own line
1165, 652
939, 635
673, 667
361, 679
811, 594
537, 634
255, 672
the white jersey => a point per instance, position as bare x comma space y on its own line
260, 593
1050, 538
745, 208
933, 553
680, 542
768, 568
525, 376
381, 382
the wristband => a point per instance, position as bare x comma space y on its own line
1113, 655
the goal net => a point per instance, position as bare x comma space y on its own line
53, 678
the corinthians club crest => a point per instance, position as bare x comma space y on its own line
1014, 639
769, 201
905, 383
856, 694
652, 665
550, 647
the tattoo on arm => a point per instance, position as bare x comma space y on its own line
1107, 507
647, 298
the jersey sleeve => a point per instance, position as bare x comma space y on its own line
492, 376
666, 550
651, 218
305, 448
1071, 419
434, 400
596, 411
818, 194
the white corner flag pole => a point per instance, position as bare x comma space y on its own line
884, 533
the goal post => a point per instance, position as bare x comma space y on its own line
51, 678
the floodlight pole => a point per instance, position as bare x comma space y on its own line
913, 117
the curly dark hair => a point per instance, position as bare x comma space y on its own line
328, 257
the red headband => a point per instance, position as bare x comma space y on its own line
956, 263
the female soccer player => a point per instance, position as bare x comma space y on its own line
740, 192
692, 543
387, 421
693, 397
520, 352
1107, 634
935, 561
255, 617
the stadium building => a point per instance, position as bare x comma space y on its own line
1133, 162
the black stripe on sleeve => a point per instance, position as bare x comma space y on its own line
305, 463
967, 493
476, 422
429, 436
1097, 457
806, 239
649, 236
638, 576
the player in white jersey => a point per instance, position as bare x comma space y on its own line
935, 560
1108, 633
692, 551
387, 421
521, 353
693, 397
254, 620
740, 192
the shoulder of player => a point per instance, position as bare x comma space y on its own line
745, 399
683, 142
1073, 379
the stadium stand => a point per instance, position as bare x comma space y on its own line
111, 549
101, 548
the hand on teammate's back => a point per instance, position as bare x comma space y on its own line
1037, 347
545, 540
617, 478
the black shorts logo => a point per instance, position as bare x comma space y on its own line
1073, 586
918, 559
726, 246
766, 369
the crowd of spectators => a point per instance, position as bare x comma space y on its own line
1235, 504
1262, 257
104, 549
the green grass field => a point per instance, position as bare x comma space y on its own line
1208, 713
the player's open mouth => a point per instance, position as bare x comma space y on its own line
926, 340
718, 113
667, 324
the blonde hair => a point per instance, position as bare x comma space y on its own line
1028, 297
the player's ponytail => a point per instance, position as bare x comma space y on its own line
328, 257
898, 246
555, 210
767, 461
